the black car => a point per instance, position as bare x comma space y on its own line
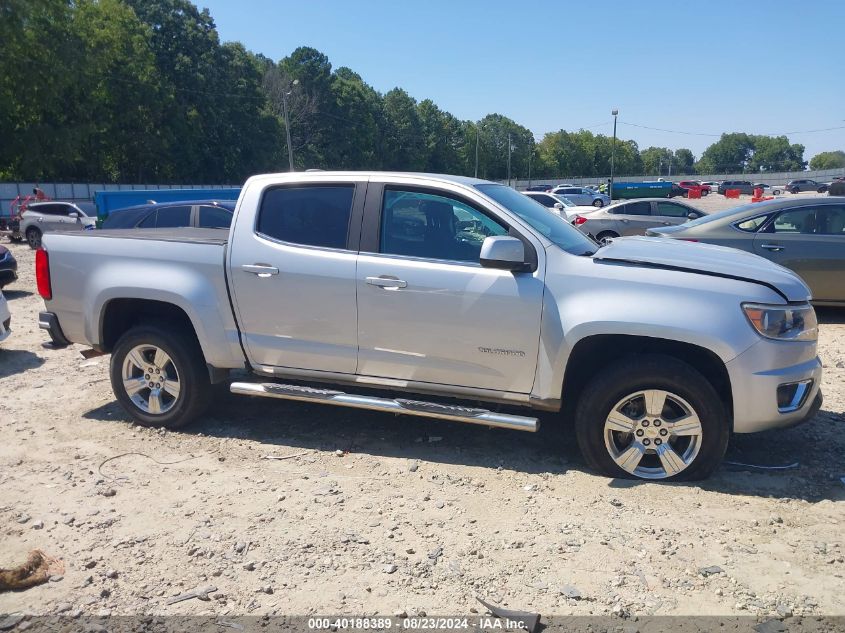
206, 214
744, 186
8, 267
539, 188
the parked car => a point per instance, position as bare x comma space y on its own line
713, 184
559, 204
775, 190
539, 188
634, 217
8, 267
207, 214
454, 287
44, 217
582, 196
694, 184
744, 186
5, 319
805, 184
676, 190
807, 236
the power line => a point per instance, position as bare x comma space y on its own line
658, 129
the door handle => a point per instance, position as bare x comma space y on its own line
667, 223
262, 270
772, 247
387, 282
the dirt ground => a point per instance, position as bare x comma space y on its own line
378, 514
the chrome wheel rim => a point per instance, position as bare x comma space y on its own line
653, 434
150, 379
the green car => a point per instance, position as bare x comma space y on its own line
806, 236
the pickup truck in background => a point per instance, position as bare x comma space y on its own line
463, 299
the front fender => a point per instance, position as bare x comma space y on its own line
587, 298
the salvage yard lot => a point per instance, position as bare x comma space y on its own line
381, 514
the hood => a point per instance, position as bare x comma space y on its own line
705, 259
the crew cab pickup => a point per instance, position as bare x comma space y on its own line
446, 297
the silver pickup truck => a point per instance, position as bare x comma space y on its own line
446, 297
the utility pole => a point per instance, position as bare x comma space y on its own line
477, 130
509, 159
530, 152
285, 94
612, 154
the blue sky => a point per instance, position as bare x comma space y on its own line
703, 67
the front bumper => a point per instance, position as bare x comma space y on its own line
756, 375
50, 322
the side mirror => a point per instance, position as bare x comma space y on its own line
692, 215
74, 215
559, 206
504, 252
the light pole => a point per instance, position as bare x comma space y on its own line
614, 112
477, 130
285, 94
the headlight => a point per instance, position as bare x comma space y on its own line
784, 323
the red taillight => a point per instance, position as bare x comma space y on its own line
579, 220
42, 274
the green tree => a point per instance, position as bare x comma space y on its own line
684, 161
402, 144
731, 153
774, 153
828, 160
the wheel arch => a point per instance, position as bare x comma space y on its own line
592, 353
119, 315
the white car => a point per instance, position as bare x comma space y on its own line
583, 196
5, 318
559, 204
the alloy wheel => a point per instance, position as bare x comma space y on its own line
151, 379
653, 434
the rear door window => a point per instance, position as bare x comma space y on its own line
672, 210
173, 217
831, 220
309, 215
214, 217
633, 208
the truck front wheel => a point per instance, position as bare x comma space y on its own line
158, 375
652, 417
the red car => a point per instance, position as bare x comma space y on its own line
694, 184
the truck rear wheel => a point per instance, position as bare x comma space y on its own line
158, 375
652, 417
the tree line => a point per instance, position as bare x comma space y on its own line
145, 91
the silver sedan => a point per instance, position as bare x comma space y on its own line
634, 217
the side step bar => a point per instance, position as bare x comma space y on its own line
390, 405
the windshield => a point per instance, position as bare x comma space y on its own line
552, 226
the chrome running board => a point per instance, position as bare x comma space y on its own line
389, 405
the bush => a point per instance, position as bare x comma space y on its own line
837, 188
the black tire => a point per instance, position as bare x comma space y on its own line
821, 189
649, 371
33, 237
704, 193
187, 357
602, 237
598, 203
794, 190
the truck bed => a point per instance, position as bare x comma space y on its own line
184, 267
183, 234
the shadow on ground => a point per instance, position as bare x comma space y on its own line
15, 361
13, 294
286, 427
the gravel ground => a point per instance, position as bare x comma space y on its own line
377, 514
